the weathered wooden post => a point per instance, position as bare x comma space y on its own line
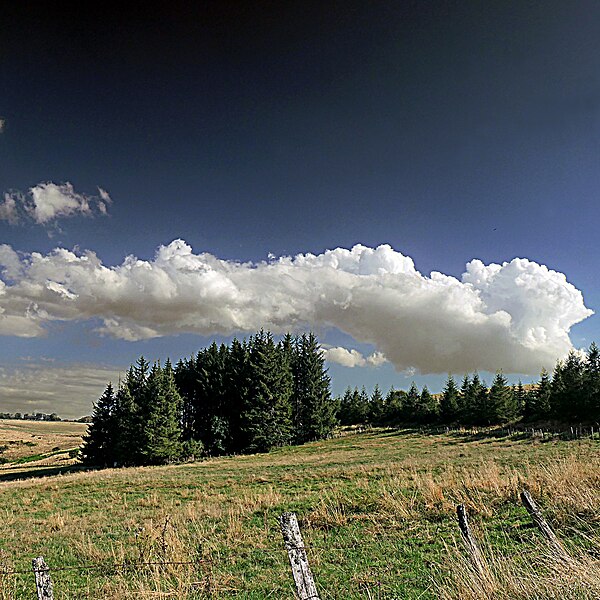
303, 578
43, 583
474, 551
537, 517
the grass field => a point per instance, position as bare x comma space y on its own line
34, 444
377, 511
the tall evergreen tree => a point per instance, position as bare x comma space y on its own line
410, 408
450, 402
591, 384
160, 434
99, 443
377, 406
127, 417
427, 408
465, 404
478, 404
394, 406
501, 402
237, 386
267, 418
316, 412
568, 389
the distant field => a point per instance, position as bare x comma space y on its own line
34, 443
377, 511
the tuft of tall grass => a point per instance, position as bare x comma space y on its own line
541, 575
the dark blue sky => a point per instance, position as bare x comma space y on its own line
449, 130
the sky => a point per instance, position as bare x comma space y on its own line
416, 182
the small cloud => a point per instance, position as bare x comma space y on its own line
8, 209
47, 202
353, 358
377, 359
2, 124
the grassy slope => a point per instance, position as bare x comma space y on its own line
376, 509
25, 441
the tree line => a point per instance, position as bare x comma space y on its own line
37, 416
256, 394
570, 395
248, 396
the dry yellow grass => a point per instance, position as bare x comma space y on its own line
379, 507
20, 439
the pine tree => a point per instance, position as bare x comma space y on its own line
568, 395
237, 386
466, 404
126, 450
479, 402
591, 400
501, 402
377, 406
410, 408
519, 399
427, 408
394, 406
161, 431
185, 381
450, 402
315, 411
267, 418
542, 396
99, 443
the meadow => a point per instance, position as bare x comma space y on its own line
376, 509
37, 444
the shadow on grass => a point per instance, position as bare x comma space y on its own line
33, 472
460, 436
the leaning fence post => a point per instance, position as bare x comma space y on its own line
43, 583
474, 551
303, 578
538, 519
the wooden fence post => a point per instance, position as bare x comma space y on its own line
43, 583
538, 519
474, 551
303, 578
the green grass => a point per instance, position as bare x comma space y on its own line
37, 457
376, 511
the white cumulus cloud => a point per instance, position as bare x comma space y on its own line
353, 358
515, 316
47, 202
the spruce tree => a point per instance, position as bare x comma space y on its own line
427, 408
377, 406
570, 400
315, 411
479, 402
161, 430
99, 443
502, 407
394, 406
237, 386
465, 402
591, 401
410, 408
267, 418
449, 402
127, 442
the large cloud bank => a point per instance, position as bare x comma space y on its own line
46, 202
515, 316
68, 390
